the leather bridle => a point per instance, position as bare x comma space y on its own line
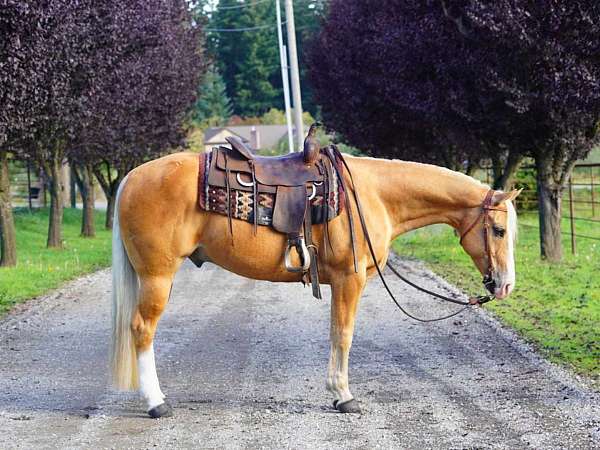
486, 207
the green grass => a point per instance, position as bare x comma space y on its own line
554, 306
594, 156
40, 269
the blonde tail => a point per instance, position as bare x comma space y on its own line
125, 286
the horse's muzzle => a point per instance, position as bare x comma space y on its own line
489, 284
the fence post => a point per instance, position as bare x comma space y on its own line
572, 216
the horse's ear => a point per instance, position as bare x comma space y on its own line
514, 194
500, 197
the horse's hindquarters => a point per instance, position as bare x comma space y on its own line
158, 213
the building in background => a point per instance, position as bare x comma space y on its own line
258, 137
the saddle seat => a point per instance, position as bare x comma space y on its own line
286, 170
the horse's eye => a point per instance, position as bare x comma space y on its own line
498, 231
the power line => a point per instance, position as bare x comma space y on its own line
259, 27
243, 5
257, 2
233, 30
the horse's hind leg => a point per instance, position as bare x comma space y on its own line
153, 297
345, 295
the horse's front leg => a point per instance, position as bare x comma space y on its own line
345, 294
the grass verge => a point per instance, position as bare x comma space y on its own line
554, 306
40, 269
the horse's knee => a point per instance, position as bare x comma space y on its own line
342, 339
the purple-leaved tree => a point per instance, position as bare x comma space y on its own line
21, 82
385, 74
497, 80
59, 36
98, 82
149, 63
542, 61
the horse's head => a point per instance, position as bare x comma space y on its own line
488, 235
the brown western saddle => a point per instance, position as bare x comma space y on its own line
289, 193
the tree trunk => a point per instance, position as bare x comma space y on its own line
109, 187
8, 241
44, 188
511, 165
84, 178
471, 168
72, 189
504, 169
550, 210
497, 165
55, 174
110, 211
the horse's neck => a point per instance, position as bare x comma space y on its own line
416, 195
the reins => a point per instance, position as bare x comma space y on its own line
473, 301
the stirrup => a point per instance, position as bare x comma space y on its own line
302, 250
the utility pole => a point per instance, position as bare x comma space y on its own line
291, 36
285, 80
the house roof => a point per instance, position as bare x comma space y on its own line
269, 135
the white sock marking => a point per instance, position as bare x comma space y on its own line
149, 386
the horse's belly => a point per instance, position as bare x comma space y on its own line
270, 269
259, 256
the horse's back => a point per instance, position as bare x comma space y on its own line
171, 175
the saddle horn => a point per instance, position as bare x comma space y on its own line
312, 146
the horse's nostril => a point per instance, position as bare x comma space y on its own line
504, 291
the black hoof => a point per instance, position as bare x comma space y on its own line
162, 410
349, 407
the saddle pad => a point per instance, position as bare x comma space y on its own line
241, 201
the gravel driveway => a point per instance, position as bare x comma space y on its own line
244, 364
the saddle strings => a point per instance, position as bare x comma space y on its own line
228, 188
255, 197
328, 176
472, 301
333, 150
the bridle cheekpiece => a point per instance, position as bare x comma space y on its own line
486, 207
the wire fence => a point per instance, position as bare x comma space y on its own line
581, 201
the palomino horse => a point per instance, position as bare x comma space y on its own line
158, 224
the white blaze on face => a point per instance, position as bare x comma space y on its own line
149, 387
506, 280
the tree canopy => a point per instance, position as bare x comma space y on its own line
213, 106
145, 82
151, 60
